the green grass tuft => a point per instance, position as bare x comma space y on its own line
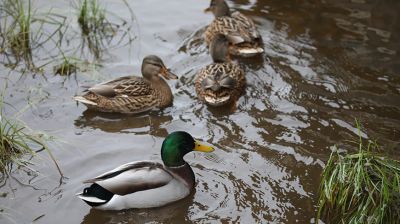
17, 142
32, 39
92, 18
67, 67
16, 30
360, 188
22, 33
96, 29
14, 143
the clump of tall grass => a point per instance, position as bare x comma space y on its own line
14, 143
16, 30
31, 39
17, 142
360, 188
92, 18
94, 25
22, 32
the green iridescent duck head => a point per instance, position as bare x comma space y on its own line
177, 144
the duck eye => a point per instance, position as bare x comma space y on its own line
156, 64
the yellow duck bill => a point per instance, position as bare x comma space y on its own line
201, 147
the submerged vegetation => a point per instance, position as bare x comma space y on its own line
92, 18
360, 188
16, 30
97, 30
24, 32
67, 67
94, 25
31, 39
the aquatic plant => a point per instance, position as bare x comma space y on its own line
363, 187
16, 34
67, 67
17, 142
94, 26
103, 30
92, 18
22, 32
31, 39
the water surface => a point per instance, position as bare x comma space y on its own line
326, 64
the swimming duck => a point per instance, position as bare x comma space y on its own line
132, 94
147, 184
241, 32
222, 81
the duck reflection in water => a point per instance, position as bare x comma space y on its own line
150, 123
173, 213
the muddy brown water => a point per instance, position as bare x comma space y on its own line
326, 63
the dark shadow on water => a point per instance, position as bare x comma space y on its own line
115, 122
176, 212
224, 110
255, 62
194, 43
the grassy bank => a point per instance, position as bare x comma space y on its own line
363, 187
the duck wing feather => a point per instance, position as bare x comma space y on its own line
248, 25
237, 28
133, 177
127, 86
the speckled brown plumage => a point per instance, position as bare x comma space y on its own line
216, 71
239, 29
132, 95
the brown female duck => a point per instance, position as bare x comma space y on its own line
243, 36
132, 94
222, 81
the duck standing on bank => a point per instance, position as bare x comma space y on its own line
221, 82
147, 184
243, 36
132, 94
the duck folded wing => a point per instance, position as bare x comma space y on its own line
133, 177
247, 25
232, 29
128, 86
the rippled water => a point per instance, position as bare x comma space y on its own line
326, 63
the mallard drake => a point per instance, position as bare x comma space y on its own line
131, 94
222, 81
241, 32
147, 184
